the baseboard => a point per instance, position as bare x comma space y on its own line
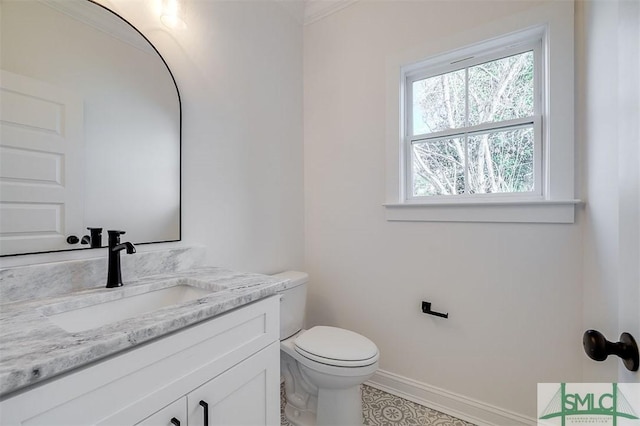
462, 407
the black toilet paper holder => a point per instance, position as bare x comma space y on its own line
426, 308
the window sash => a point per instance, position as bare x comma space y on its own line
432, 68
480, 128
535, 122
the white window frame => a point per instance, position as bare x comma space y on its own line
551, 28
466, 59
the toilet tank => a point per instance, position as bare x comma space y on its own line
293, 301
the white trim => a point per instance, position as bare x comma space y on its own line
102, 19
493, 202
315, 10
472, 210
460, 406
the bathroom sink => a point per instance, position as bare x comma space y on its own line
107, 312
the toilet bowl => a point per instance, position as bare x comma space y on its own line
322, 367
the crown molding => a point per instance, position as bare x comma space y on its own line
315, 10
94, 16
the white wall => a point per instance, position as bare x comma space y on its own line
238, 66
513, 291
239, 69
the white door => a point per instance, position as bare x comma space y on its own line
611, 243
41, 156
245, 395
629, 177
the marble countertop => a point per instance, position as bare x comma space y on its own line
33, 349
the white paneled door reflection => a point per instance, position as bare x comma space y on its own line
41, 156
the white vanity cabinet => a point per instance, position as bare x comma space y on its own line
230, 362
239, 396
175, 412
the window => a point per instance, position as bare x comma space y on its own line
480, 124
473, 125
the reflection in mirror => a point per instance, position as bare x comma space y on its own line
90, 129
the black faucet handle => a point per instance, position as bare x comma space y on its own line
114, 237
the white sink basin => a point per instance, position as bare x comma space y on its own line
104, 313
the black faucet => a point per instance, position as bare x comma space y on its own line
114, 277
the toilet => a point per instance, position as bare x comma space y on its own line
322, 367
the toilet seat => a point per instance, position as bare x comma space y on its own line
336, 347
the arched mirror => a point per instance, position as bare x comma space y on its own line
90, 130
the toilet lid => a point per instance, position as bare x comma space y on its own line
336, 346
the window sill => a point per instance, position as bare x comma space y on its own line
538, 211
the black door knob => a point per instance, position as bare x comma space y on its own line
72, 239
598, 348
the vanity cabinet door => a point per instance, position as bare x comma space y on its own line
245, 395
174, 414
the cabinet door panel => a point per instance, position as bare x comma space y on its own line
245, 395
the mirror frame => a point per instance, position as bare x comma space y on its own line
179, 146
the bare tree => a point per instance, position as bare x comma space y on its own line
495, 161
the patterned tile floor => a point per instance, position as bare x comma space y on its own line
382, 409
